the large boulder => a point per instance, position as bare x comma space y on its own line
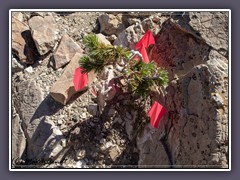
65, 51
194, 132
44, 32
111, 24
18, 137
63, 89
23, 45
43, 138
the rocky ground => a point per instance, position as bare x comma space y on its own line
56, 127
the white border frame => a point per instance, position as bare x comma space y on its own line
118, 10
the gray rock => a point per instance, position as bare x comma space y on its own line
103, 39
43, 138
212, 26
130, 36
194, 131
16, 65
111, 24
93, 109
28, 70
65, 51
18, 137
44, 32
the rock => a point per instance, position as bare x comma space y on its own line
22, 44
151, 151
18, 137
212, 27
93, 109
18, 15
103, 39
81, 154
28, 70
43, 137
60, 122
44, 32
130, 36
196, 128
16, 65
84, 115
114, 153
191, 50
63, 89
65, 51
111, 24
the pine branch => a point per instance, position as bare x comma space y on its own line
140, 77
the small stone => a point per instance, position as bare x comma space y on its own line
84, 115
43, 32
60, 122
93, 109
114, 152
102, 141
28, 70
81, 154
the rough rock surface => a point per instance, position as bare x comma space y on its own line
41, 135
194, 133
131, 35
63, 89
111, 24
44, 32
22, 43
18, 137
65, 51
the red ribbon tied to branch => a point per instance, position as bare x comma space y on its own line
144, 42
156, 112
80, 79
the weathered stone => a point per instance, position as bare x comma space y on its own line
18, 15
213, 28
44, 32
65, 51
22, 43
130, 36
18, 137
114, 153
152, 152
190, 50
103, 39
111, 24
28, 70
93, 109
43, 138
194, 132
63, 89
16, 65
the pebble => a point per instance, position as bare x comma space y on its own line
102, 141
28, 70
84, 115
60, 122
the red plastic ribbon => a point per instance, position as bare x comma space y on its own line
80, 79
146, 40
156, 112
144, 54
